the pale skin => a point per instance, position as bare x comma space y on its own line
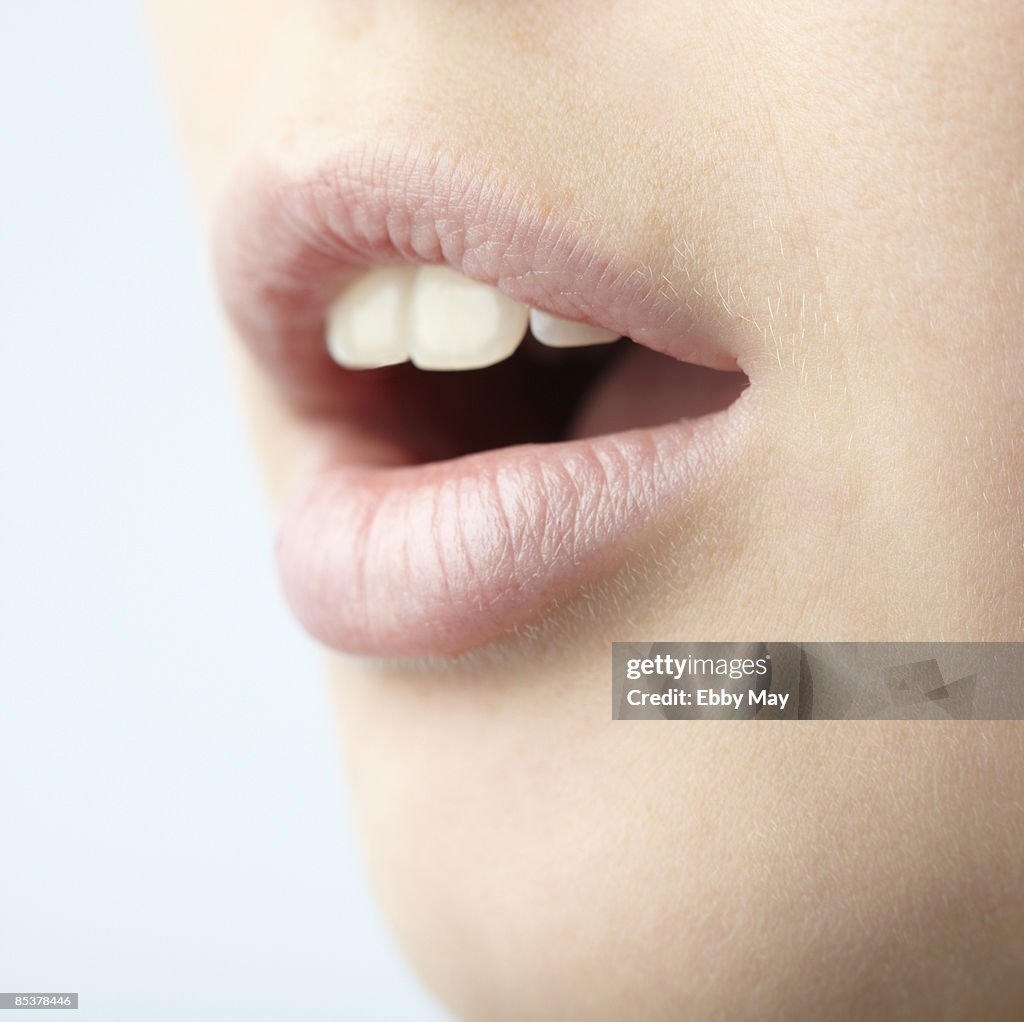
839, 188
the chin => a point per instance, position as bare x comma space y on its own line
538, 861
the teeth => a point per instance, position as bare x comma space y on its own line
456, 323
564, 333
366, 325
440, 319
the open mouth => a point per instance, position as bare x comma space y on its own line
461, 367
497, 413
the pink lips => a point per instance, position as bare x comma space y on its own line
385, 557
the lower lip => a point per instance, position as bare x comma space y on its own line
438, 559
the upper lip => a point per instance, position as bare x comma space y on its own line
286, 244
437, 558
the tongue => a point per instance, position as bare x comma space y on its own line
644, 388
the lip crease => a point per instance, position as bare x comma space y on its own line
379, 555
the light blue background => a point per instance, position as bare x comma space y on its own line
172, 819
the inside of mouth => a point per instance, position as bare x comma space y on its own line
546, 395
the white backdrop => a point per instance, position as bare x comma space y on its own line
173, 835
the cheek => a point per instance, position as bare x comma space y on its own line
538, 860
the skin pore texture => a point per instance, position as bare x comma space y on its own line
833, 191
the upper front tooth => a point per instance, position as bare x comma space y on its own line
457, 323
564, 333
367, 323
